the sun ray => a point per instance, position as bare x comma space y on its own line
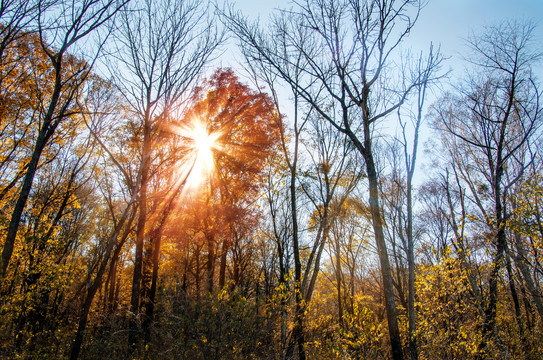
204, 144
201, 144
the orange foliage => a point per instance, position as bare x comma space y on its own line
247, 126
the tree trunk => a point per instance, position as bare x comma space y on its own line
527, 275
112, 285
21, 203
514, 296
339, 282
501, 246
136, 281
388, 287
154, 244
297, 332
46, 131
222, 269
411, 268
146, 272
210, 262
133, 327
83, 318
150, 305
283, 286
91, 291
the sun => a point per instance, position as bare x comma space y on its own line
203, 144
200, 146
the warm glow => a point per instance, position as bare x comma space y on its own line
202, 143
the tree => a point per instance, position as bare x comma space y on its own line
289, 146
427, 70
76, 21
348, 47
161, 48
17, 19
100, 111
241, 127
492, 119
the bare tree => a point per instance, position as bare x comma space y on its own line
492, 119
290, 144
426, 71
348, 50
100, 113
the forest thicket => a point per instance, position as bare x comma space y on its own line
339, 197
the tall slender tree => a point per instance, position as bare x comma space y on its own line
493, 118
348, 47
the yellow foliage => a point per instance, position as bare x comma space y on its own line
448, 317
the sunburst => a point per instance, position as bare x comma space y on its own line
198, 166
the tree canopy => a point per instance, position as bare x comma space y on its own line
335, 196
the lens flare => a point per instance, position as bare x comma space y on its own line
198, 163
202, 144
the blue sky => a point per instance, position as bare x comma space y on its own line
442, 22
445, 22
448, 22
